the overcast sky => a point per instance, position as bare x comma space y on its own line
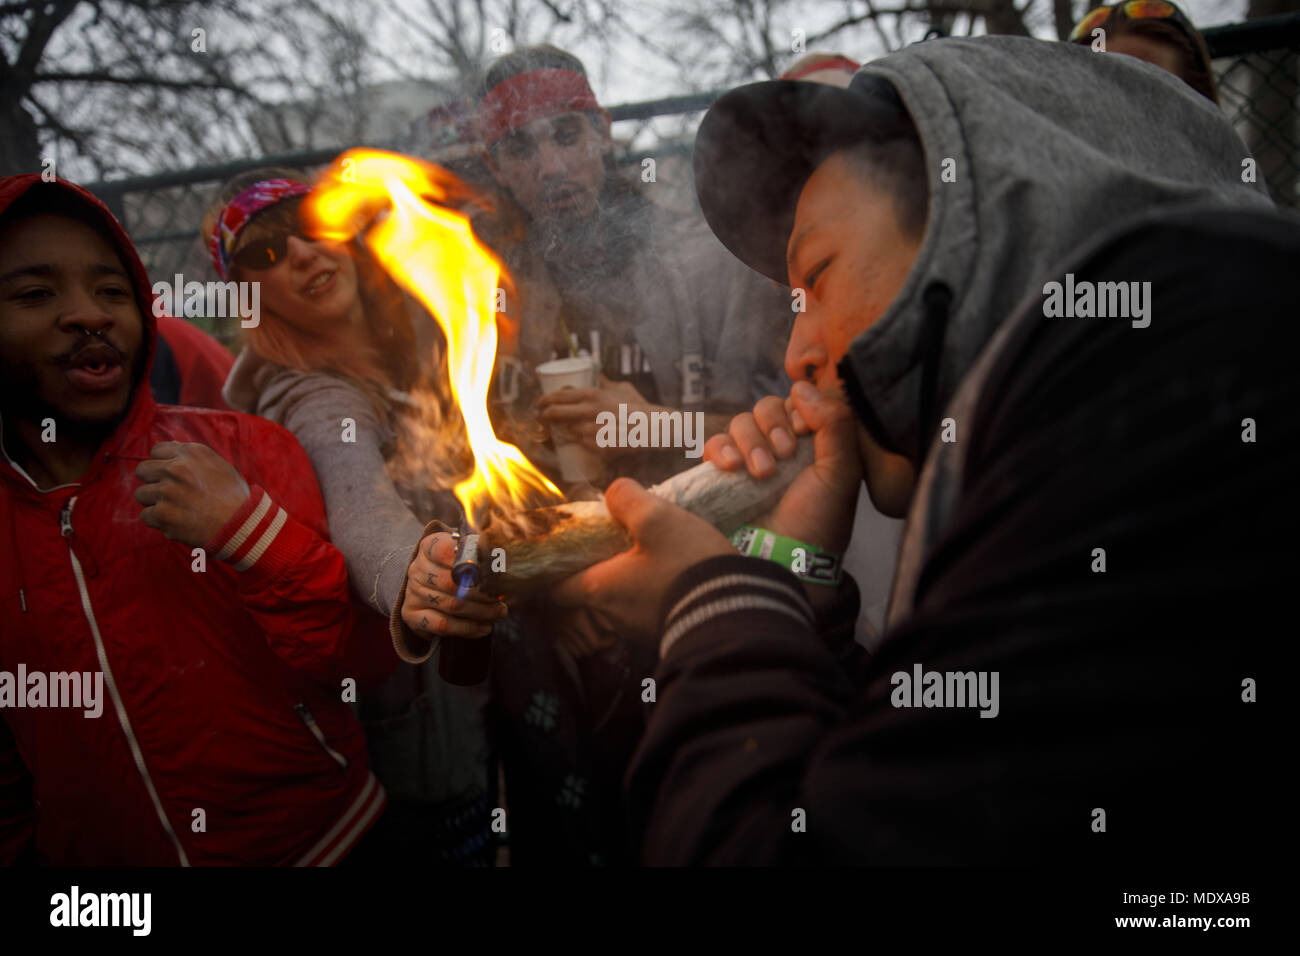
621, 61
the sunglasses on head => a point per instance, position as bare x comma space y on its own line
1132, 10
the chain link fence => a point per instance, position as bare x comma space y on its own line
163, 212
1257, 65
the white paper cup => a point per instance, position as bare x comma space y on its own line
577, 461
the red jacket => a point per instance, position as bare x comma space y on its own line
221, 688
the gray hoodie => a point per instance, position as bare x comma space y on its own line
1032, 182
1034, 185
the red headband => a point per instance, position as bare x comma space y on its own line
530, 96
830, 63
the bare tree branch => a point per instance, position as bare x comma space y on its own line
144, 79
1063, 18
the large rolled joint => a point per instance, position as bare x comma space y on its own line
546, 545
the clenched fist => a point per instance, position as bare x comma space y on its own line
189, 491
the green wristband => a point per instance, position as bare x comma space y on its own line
805, 561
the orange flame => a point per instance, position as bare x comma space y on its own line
431, 251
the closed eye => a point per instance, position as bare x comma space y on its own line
810, 280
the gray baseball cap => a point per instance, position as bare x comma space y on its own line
759, 143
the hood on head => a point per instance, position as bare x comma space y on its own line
1051, 144
12, 188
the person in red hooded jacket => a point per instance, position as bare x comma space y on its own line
176, 633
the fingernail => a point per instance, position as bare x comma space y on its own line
804, 390
730, 457
782, 440
762, 459
798, 422
485, 631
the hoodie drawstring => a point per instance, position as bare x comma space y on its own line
937, 300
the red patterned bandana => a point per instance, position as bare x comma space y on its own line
235, 216
530, 96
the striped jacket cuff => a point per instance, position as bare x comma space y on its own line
731, 588
260, 536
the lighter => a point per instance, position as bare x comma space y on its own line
465, 660
465, 570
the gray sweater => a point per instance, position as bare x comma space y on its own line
369, 521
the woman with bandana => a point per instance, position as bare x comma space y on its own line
333, 357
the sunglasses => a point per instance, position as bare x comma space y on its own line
264, 242
260, 254
1133, 10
